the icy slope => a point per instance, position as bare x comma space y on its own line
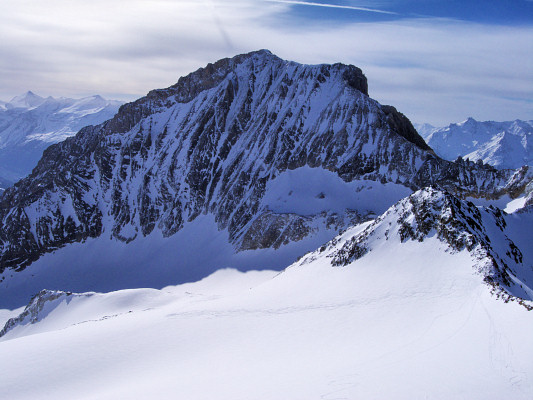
408, 319
213, 143
501, 144
30, 123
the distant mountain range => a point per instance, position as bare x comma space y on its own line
500, 144
30, 123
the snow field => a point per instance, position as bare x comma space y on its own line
405, 321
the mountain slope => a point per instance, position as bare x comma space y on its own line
497, 241
501, 144
217, 144
30, 123
411, 316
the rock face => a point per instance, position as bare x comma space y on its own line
210, 144
35, 310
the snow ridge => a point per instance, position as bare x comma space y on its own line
37, 309
482, 231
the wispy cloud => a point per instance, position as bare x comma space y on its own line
433, 70
327, 5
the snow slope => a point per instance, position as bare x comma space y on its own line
501, 144
408, 319
29, 123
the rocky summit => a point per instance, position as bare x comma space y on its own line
213, 144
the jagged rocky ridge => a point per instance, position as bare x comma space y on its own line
459, 224
210, 144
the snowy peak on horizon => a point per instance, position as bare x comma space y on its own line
31, 117
30, 100
29, 123
506, 144
26, 100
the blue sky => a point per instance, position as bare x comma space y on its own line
436, 61
502, 12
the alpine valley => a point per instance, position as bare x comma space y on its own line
300, 240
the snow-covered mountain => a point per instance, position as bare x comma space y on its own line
501, 144
29, 123
419, 303
404, 289
251, 162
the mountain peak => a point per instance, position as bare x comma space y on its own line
26, 100
260, 52
257, 60
30, 123
239, 69
483, 140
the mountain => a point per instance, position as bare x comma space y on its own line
419, 303
497, 242
249, 162
501, 144
24, 101
30, 123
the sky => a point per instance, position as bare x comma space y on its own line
436, 61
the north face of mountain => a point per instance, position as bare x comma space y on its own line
214, 143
